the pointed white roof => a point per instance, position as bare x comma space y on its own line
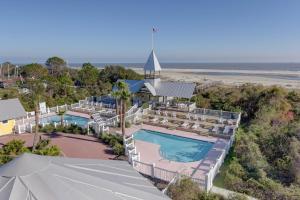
152, 63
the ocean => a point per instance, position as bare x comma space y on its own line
212, 66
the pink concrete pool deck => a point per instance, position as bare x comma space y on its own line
78, 114
149, 152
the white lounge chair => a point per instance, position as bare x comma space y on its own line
174, 114
188, 116
164, 121
195, 126
155, 119
184, 124
202, 117
215, 129
221, 120
230, 122
226, 130
195, 117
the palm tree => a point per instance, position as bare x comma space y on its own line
122, 94
116, 95
37, 90
61, 114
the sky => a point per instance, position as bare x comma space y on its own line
120, 31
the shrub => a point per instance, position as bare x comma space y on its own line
42, 144
73, 129
105, 137
118, 149
127, 124
48, 151
115, 141
186, 189
112, 141
145, 105
49, 128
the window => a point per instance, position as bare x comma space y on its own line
4, 121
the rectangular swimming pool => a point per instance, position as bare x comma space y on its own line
175, 148
69, 119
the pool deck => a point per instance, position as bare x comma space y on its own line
149, 152
71, 145
78, 114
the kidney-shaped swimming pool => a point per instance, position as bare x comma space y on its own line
175, 148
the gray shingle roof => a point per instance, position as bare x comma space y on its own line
162, 88
11, 109
171, 88
43, 177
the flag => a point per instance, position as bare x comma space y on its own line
154, 30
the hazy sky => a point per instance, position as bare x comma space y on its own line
120, 31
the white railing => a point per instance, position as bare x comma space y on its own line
153, 171
217, 113
209, 177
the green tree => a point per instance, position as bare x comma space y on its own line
113, 73
88, 75
37, 89
61, 113
65, 84
34, 71
12, 149
56, 65
122, 94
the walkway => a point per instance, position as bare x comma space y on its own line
226, 193
71, 145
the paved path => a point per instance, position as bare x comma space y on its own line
71, 145
225, 193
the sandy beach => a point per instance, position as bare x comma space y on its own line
288, 79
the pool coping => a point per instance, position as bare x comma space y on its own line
197, 169
71, 113
179, 137
174, 135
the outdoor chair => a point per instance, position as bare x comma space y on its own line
195, 126
227, 130
165, 113
155, 119
184, 124
202, 117
221, 120
229, 122
174, 114
215, 129
164, 121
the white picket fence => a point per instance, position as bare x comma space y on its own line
153, 171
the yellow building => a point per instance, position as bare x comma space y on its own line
10, 111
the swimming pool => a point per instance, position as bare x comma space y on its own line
69, 119
175, 148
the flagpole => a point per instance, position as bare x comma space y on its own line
152, 39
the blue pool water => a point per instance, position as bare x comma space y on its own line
70, 119
175, 148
